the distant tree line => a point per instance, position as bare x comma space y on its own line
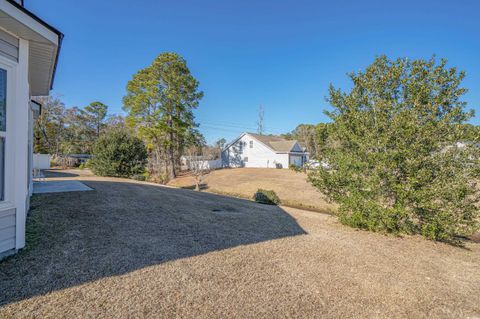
61, 130
159, 103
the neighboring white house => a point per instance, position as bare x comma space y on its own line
29, 50
254, 150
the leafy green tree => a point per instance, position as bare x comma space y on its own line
79, 136
321, 138
118, 153
160, 101
400, 159
305, 134
221, 143
96, 112
49, 128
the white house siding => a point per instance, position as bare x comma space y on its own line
8, 46
296, 159
257, 156
13, 209
28, 52
7, 231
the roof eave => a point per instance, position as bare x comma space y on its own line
44, 30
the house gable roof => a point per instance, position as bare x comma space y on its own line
275, 143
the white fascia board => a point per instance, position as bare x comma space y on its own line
233, 142
28, 21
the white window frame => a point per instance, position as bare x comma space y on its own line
251, 144
8, 135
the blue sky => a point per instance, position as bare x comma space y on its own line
279, 54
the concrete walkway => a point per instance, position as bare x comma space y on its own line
59, 187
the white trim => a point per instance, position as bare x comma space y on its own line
22, 107
9, 194
6, 205
233, 142
29, 22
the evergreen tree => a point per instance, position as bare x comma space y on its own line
160, 101
400, 157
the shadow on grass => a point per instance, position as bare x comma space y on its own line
55, 173
192, 187
120, 227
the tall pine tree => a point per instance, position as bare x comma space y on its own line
160, 101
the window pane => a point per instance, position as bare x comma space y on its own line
3, 100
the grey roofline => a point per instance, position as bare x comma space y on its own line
40, 106
233, 142
268, 146
46, 25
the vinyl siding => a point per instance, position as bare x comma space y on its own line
296, 160
257, 156
297, 148
7, 230
8, 46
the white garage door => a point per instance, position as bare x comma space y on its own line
296, 160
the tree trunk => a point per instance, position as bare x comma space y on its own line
171, 152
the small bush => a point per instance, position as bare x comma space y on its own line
264, 196
118, 154
139, 177
296, 168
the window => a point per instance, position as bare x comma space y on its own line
3, 129
245, 159
251, 144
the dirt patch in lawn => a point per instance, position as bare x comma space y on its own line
131, 250
292, 188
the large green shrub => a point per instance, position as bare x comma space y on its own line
265, 196
400, 158
118, 154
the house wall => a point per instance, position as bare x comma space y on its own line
7, 230
13, 208
296, 160
8, 46
259, 155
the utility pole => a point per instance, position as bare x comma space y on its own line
260, 123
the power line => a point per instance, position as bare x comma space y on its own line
239, 125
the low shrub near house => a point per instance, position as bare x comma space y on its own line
264, 196
296, 168
139, 177
118, 154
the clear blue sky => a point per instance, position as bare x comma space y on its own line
280, 54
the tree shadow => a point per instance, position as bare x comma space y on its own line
203, 186
54, 173
74, 238
232, 157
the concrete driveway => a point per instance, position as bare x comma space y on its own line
131, 249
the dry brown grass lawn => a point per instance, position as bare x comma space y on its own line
292, 188
135, 250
